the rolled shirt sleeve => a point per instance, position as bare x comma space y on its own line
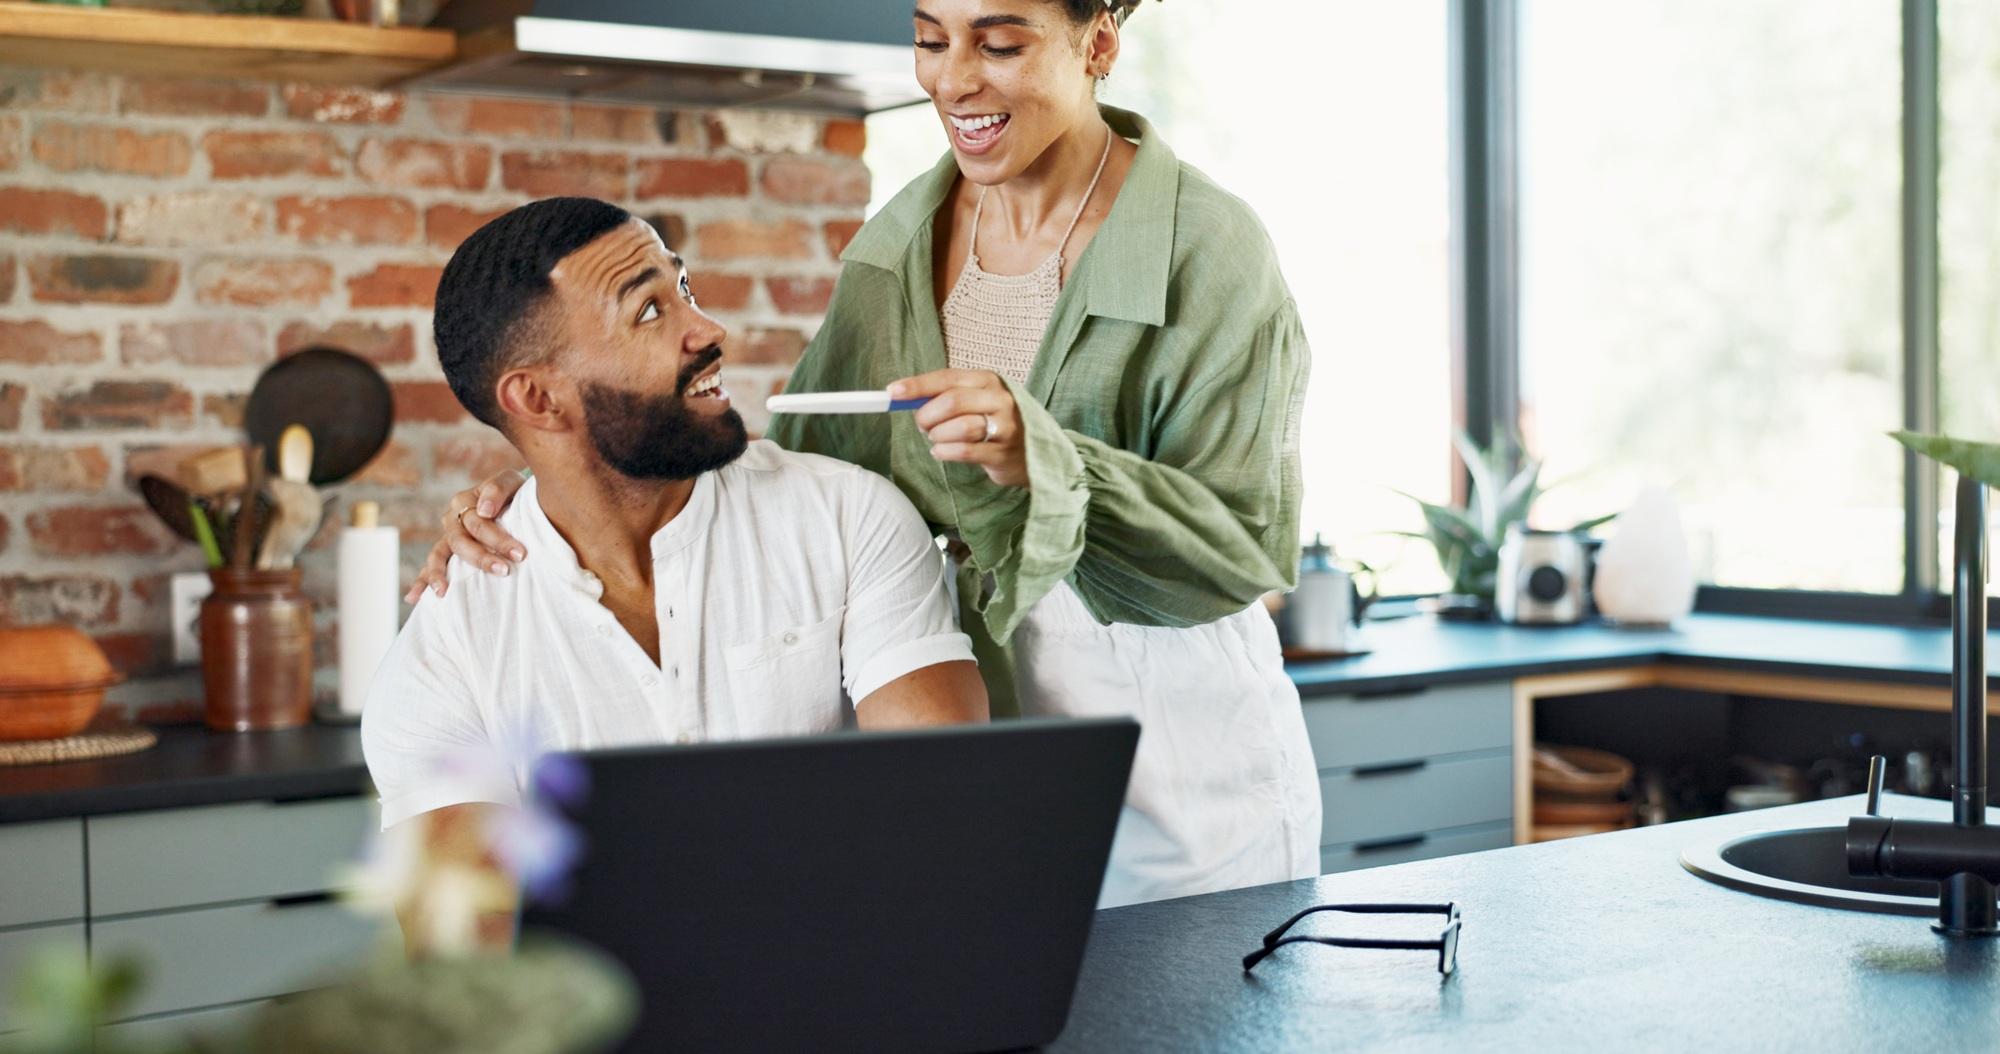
899, 615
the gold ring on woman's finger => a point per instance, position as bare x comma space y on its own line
461, 517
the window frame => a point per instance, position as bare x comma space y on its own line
1484, 129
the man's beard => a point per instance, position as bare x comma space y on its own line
644, 436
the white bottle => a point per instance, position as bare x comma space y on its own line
370, 559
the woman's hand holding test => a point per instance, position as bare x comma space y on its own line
971, 417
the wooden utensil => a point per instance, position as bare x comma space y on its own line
243, 528
299, 509
213, 473
170, 503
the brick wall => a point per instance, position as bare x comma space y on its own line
163, 240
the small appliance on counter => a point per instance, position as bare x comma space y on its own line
1321, 618
1541, 578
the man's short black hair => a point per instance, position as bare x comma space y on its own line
495, 284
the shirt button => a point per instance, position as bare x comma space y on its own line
791, 638
675, 669
670, 611
603, 630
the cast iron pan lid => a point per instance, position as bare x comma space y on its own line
340, 397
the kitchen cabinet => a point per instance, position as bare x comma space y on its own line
1413, 774
225, 905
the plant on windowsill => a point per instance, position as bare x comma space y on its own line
1468, 540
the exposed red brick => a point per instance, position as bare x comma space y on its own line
10, 143
395, 285
518, 118
372, 220
176, 712
800, 296
225, 410
422, 164
263, 281
680, 177
445, 226
845, 137
254, 155
80, 600
6, 277
395, 466
88, 530
333, 105
426, 402
6, 529
383, 345
195, 217
815, 181
53, 468
748, 239
159, 460
618, 124
195, 342
548, 173
673, 229
838, 234
473, 459
12, 398
26, 89
28, 211
40, 344
119, 404
722, 292
174, 97
102, 278
768, 347
66, 147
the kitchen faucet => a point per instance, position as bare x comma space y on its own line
1962, 856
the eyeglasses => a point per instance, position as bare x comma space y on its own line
1446, 944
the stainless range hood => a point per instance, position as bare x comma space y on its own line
825, 56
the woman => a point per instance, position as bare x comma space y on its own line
1116, 369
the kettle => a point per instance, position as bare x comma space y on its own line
1323, 614
1541, 577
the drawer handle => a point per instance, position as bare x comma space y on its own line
300, 900
1376, 695
1391, 769
1390, 843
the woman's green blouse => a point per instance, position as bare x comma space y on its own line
1162, 413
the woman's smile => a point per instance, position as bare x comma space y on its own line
976, 133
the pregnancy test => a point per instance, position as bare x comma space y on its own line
841, 403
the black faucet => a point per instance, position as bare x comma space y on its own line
1962, 856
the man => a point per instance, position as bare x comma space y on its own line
681, 583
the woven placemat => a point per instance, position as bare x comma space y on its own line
97, 743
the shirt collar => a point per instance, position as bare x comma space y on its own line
550, 552
1130, 254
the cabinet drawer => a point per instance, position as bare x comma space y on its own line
41, 872
175, 858
1360, 805
245, 951
181, 1031
1425, 846
19, 947
1347, 730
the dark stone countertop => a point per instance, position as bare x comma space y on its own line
1599, 943
191, 766
1421, 651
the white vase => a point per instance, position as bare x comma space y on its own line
1645, 574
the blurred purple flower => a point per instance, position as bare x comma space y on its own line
563, 779
540, 848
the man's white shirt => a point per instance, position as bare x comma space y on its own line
790, 587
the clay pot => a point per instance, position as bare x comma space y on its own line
52, 681
256, 650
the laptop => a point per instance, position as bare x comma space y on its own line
922, 890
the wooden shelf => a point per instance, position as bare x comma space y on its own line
117, 40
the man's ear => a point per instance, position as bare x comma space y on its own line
531, 398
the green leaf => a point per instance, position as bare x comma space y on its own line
1978, 461
1520, 495
1485, 486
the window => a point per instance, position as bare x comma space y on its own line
1334, 131
1709, 278
1968, 236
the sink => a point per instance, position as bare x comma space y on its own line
1807, 865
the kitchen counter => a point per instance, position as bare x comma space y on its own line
191, 766
1592, 943
1422, 651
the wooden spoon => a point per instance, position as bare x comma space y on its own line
299, 508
